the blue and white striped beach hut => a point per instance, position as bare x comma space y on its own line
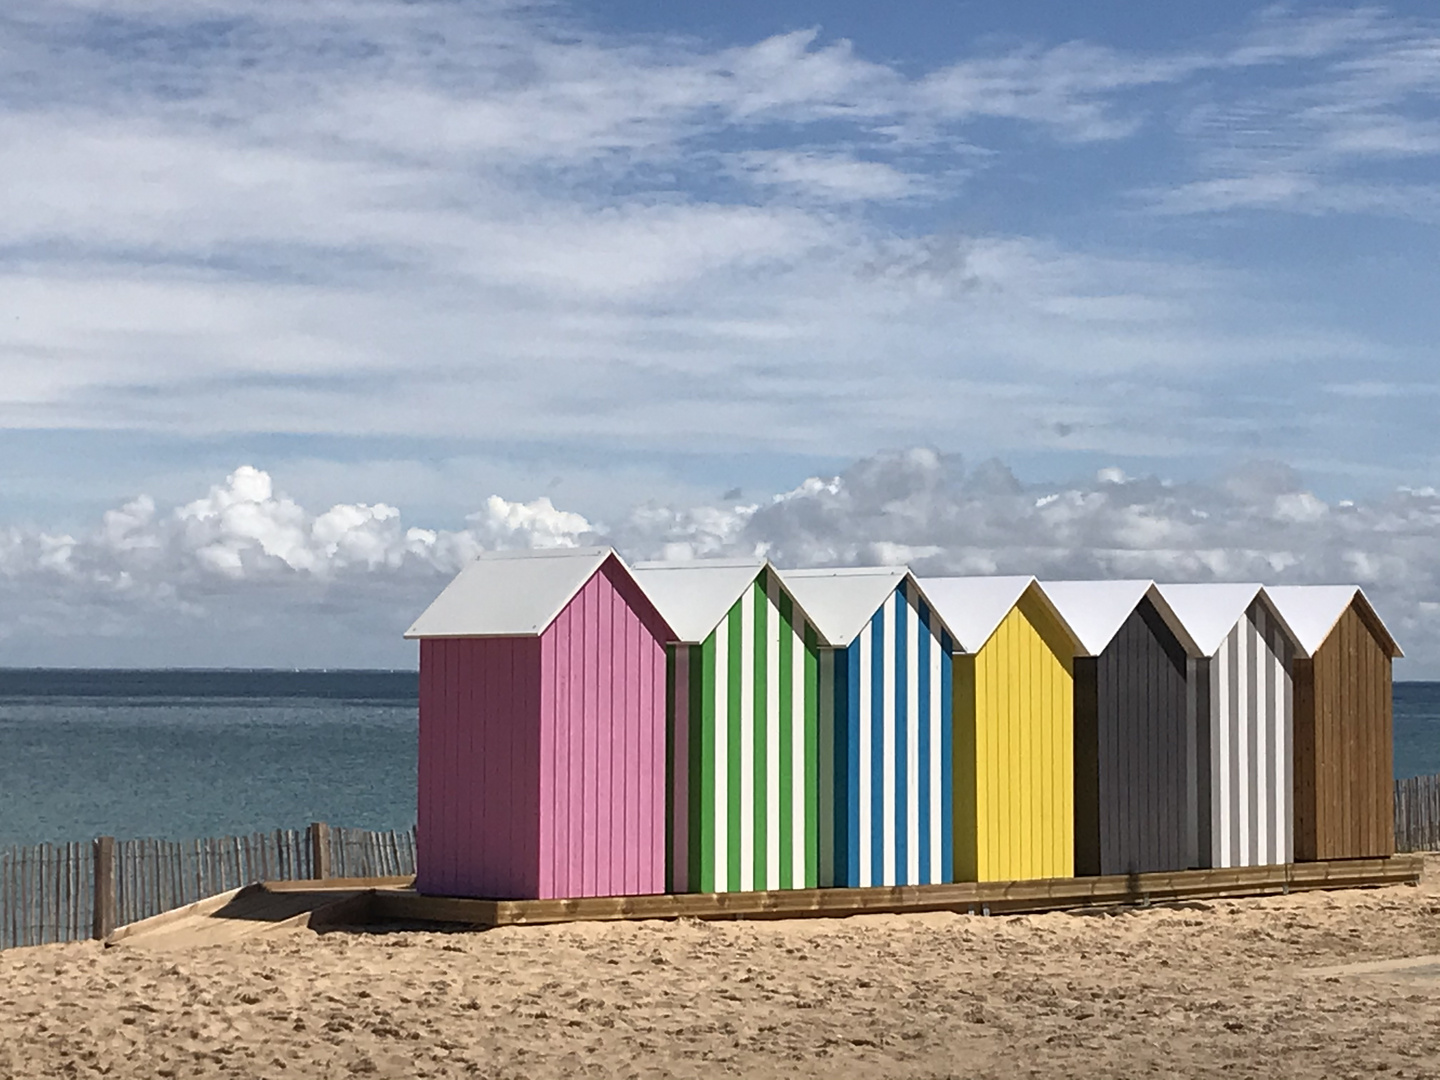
886, 717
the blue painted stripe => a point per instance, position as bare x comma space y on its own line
848, 684
947, 757
902, 741
928, 872
877, 747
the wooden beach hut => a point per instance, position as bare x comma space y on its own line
744, 810
1132, 812
1240, 710
1013, 767
542, 730
886, 704
1344, 754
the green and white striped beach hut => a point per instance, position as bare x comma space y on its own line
743, 758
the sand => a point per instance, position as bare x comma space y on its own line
1226, 989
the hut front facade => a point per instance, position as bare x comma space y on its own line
1013, 737
886, 707
743, 707
1240, 710
542, 731
1343, 722
1132, 758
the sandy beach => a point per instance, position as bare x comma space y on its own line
1231, 988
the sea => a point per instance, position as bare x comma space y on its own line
185, 754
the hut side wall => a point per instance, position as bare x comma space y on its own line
1140, 737
1244, 776
886, 791
602, 759
1344, 765
745, 812
1014, 751
479, 762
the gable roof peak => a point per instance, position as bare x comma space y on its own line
510, 593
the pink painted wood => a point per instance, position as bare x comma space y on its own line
602, 745
478, 809
542, 759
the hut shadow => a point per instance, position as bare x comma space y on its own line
325, 911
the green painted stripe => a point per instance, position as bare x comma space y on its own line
761, 844
672, 717
787, 751
734, 630
703, 823
812, 759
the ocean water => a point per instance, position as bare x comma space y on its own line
181, 754
1417, 729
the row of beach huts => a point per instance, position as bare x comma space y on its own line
588, 728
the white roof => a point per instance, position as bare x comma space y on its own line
973, 607
1096, 610
510, 593
694, 596
1210, 611
1311, 611
841, 601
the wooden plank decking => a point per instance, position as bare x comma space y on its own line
1004, 897
367, 902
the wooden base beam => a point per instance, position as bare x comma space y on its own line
987, 898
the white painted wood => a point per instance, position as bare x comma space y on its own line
866, 755
722, 758
747, 745
887, 746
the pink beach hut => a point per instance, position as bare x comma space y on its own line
542, 730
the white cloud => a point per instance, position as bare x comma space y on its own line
536, 524
246, 546
319, 219
828, 176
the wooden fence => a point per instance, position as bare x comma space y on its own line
1417, 814
67, 892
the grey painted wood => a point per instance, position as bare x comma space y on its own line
1133, 751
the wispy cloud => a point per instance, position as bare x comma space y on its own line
492, 222
1331, 99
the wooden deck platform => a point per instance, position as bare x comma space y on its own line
984, 898
359, 902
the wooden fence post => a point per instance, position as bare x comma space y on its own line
319, 850
103, 924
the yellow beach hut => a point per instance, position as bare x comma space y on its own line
1014, 720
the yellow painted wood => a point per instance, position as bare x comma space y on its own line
1014, 742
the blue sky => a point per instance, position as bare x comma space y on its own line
628, 256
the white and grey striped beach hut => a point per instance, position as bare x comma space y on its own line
1240, 715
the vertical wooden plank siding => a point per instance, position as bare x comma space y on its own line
600, 755
1013, 751
1131, 756
743, 716
1344, 791
1243, 791
478, 821
885, 762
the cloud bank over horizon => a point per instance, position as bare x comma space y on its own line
245, 576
